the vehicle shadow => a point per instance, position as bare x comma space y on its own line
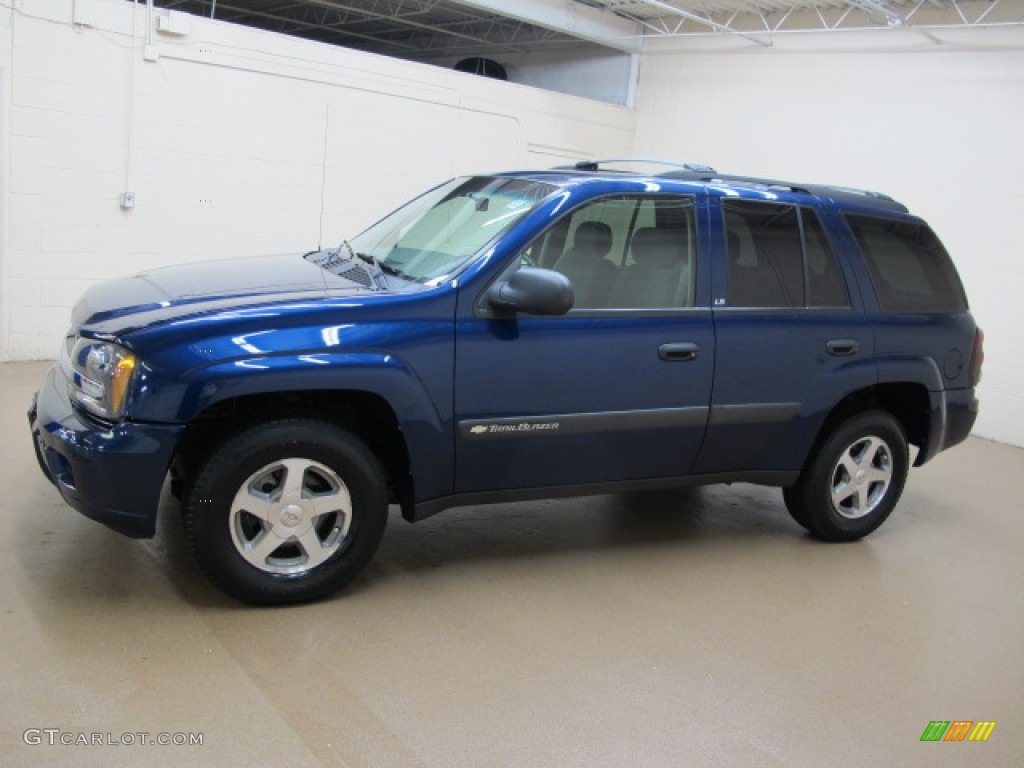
94, 565
677, 519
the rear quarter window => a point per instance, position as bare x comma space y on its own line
909, 267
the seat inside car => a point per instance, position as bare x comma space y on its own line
591, 274
659, 275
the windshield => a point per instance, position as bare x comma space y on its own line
435, 234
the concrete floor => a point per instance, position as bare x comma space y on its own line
699, 628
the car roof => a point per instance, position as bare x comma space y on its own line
703, 175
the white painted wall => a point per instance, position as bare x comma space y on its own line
5, 175
587, 71
227, 140
937, 126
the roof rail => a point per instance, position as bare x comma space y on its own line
705, 173
756, 180
847, 194
596, 165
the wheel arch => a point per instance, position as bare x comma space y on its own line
908, 402
368, 415
401, 415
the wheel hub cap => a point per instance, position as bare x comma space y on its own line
291, 515
862, 477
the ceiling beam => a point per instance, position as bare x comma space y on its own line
891, 16
666, 8
570, 18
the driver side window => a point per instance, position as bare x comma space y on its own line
624, 252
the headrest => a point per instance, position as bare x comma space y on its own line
594, 237
656, 247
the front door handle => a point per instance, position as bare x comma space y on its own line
842, 347
680, 352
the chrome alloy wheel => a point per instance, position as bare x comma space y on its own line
862, 477
290, 516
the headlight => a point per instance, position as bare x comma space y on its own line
100, 374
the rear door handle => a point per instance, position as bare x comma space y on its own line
679, 352
842, 347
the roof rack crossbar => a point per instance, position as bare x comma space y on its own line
595, 165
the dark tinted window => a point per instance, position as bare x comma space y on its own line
772, 265
765, 263
826, 286
909, 267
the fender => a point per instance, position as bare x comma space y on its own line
180, 381
910, 369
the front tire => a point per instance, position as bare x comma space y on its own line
286, 512
854, 480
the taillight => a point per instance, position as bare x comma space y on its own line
977, 357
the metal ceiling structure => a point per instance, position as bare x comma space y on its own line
756, 19
425, 29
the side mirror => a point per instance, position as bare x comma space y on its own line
534, 291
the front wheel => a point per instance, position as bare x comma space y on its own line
286, 512
849, 487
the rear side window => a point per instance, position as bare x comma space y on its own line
909, 267
779, 256
825, 284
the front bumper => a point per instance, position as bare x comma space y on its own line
112, 474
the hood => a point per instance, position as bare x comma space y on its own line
189, 289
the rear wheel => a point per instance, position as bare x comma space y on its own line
287, 511
853, 482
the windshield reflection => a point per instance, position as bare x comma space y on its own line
432, 236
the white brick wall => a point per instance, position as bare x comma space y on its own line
936, 126
227, 153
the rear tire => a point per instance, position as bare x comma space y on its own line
854, 480
286, 512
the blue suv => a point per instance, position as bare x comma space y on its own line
516, 336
